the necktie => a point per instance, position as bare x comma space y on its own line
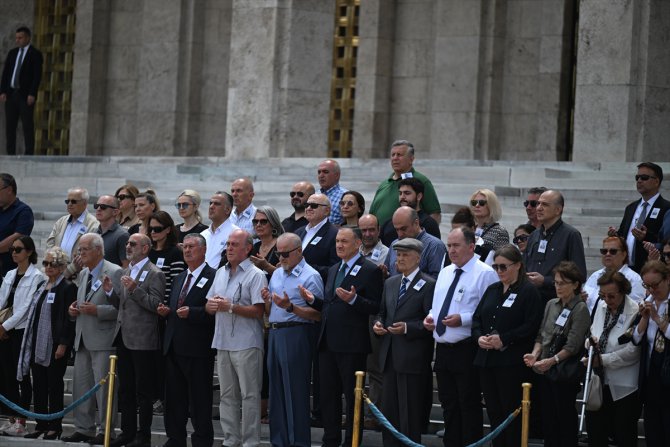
341, 273
184, 291
403, 287
89, 283
643, 215
439, 327
19, 62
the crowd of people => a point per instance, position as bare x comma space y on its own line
287, 311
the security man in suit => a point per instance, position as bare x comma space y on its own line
95, 324
21, 78
406, 346
189, 358
137, 340
352, 294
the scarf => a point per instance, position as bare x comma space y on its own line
608, 325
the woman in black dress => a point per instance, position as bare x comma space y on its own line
187, 205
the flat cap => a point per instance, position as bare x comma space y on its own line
409, 243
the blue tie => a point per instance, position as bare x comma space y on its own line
403, 287
439, 327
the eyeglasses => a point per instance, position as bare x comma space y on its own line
502, 268
52, 264
71, 201
643, 177
296, 193
314, 205
480, 202
156, 229
347, 203
609, 296
124, 196
16, 249
285, 254
611, 251
532, 203
255, 222
182, 206
520, 238
651, 286
562, 283
103, 206
84, 249
131, 243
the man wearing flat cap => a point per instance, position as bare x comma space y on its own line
406, 346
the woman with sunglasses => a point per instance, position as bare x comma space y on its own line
165, 253
146, 204
126, 197
653, 334
504, 326
521, 235
617, 362
187, 205
16, 292
47, 341
614, 258
352, 207
487, 212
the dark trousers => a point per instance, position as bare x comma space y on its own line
656, 410
21, 393
459, 392
315, 330
48, 389
136, 388
502, 392
403, 403
17, 107
188, 387
559, 414
338, 377
618, 416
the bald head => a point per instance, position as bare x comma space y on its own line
242, 191
406, 222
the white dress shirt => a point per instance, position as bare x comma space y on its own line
216, 241
637, 293
311, 232
243, 220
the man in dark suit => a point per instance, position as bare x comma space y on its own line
352, 294
21, 78
406, 346
136, 340
189, 358
643, 218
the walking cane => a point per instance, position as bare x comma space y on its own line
587, 383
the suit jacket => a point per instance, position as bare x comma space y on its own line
58, 231
321, 255
192, 336
62, 327
30, 74
137, 320
413, 351
97, 331
653, 227
344, 326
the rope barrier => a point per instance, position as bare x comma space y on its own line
60, 414
408, 442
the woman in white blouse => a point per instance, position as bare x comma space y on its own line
617, 361
653, 333
17, 291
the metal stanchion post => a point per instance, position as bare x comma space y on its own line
110, 399
525, 413
358, 394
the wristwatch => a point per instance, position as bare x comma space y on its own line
289, 309
557, 359
230, 309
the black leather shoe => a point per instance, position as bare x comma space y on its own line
99, 439
76, 437
122, 440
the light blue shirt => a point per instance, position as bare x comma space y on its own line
335, 194
73, 229
432, 256
283, 281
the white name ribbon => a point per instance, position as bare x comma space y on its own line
376, 253
82, 230
160, 262
654, 213
621, 321
510, 300
459, 295
542, 247
143, 276
96, 285
297, 270
316, 240
563, 317
419, 284
406, 175
201, 283
51, 296
354, 271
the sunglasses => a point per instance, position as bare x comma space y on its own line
611, 251
125, 196
285, 254
347, 203
255, 222
502, 268
103, 206
131, 244
16, 249
52, 264
182, 206
480, 202
296, 193
314, 205
532, 203
520, 238
643, 177
71, 201
156, 229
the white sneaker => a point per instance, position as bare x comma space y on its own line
5, 425
18, 429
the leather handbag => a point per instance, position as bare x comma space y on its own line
6, 314
594, 398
